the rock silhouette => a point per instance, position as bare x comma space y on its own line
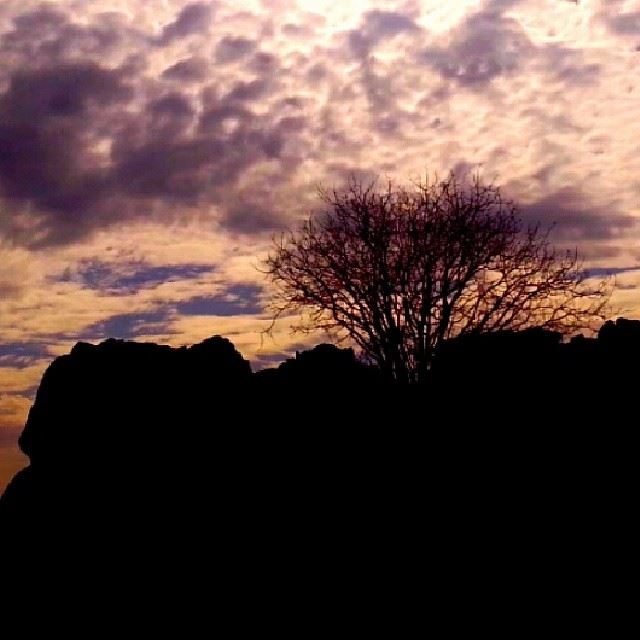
126, 437
507, 366
124, 432
324, 364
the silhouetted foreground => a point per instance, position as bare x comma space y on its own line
124, 433
137, 440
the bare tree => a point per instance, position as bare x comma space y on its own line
399, 271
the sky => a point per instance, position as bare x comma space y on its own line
151, 149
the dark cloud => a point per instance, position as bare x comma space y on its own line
84, 145
67, 90
127, 278
611, 271
626, 23
189, 70
170, 115
46, 160
22, 354
40, 20
483, 46
572, 72
376, 26
619, 21
53, 120
47, 34
171, 170
203, 166
488, 44
192, 19
264, 64
231, 49
128, 326
251, 90
237, 300
317, 73
382, 24
574, 219
172, 105
197, 170
249, 214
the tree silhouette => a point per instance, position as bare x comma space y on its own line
399, 271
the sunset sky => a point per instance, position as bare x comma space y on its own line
150, 149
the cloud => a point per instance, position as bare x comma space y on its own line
575, 219
80, 151
618, 18
190, 70
236, 300
128, 278
196, 169
65, 91
231, 49
384, 24
376, 26
626, 23
163, 135
193, 19
484, 46
611, 271
22, 354
47, 118
46, 33
128, 326
233, 301
489, 44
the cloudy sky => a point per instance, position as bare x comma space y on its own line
150, 149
